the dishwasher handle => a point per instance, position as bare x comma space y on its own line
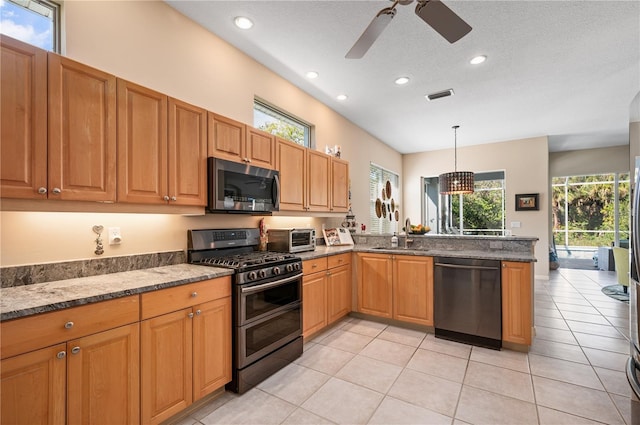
461, 266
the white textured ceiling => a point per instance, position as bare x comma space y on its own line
565, 69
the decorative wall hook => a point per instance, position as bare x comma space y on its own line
97, 229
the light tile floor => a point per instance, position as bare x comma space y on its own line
363, 372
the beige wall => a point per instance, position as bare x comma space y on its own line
151, 44
589, 161
525, 163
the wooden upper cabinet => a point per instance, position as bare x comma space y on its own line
260, 148
23, 109
187, 156
226, 138
291, 163
142, 145
318, 187
339, 185
82, 132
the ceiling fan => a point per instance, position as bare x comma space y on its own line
433, 12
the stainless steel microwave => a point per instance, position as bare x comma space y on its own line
292, 240
241, 188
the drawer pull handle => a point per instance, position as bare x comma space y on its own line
42, 190
190, 315
198, 312
194, 294
61, 355
56, 191
173, 198
314, 266
75, 350
68, 325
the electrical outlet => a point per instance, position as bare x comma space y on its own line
515, 224
115, 237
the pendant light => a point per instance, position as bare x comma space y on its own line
458, 181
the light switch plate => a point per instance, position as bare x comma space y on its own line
515, 224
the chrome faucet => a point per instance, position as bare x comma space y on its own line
407, 229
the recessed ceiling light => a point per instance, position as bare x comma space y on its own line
402, 80
341, 97
312, 74
243, 22
478, 60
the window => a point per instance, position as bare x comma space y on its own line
36, 22
481, 212
378, 178
274, 121
478, 213
591, 210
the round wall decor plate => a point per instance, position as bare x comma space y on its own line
378, 208
388, 189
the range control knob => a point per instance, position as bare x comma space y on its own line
289, 268
276, 270
296, 266
262, 274
251, 275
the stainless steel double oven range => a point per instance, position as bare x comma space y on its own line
267, 301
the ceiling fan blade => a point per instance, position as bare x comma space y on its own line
443, 20
373, 31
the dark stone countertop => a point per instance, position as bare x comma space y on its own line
21, 301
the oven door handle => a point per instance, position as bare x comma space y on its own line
262, 287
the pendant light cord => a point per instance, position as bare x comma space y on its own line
455, 147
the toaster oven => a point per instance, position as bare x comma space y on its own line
292, 240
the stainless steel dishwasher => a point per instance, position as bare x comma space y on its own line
468, 301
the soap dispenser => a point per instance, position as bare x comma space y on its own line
394, 240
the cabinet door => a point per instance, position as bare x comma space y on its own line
318, 191
166, 365
291, 161
375, 289
260, 148
338, 293
516, 302
314, 303
211, 346
226, 138
339, 185
82, 132
103, 385
23, 112
142, 145
33, 389
187, 154
413, 289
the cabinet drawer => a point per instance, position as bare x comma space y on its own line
315, 265
338, 260
183, 296
30, 333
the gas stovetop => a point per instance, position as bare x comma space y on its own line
237, 249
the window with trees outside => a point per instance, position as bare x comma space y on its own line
272, 120
591, 210
480, 212
378, 178
36, 22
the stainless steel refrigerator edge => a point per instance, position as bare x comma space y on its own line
633, 363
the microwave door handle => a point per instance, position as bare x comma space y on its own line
276, 196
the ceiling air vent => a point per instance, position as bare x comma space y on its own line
440, 94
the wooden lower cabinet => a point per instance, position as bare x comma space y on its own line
103, 384
516, 302
396, 286
338, 293
375, 288
185, 354
314, 299
33, 389
413, 289
91, 380
326, 291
